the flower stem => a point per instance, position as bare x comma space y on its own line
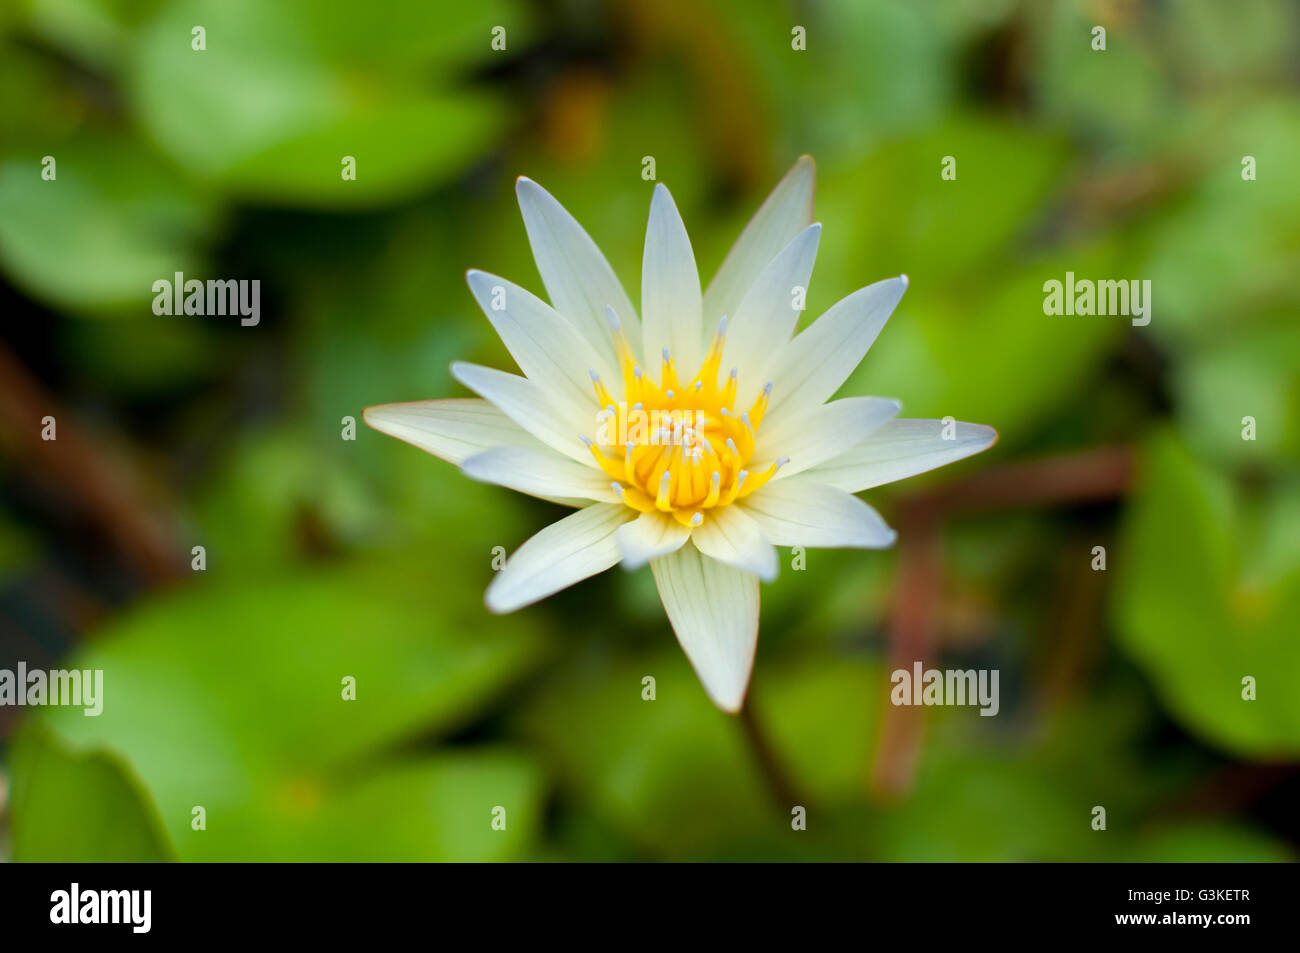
781, 787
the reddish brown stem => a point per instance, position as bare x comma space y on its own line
81, 475
1086, 476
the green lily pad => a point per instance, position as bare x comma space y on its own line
283, 92
258, 731
1207, 597
71, 805
95, 238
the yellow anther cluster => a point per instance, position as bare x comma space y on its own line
679, 448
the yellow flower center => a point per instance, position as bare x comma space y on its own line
673, 447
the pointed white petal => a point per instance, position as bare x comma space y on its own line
576, 274
817, 435
766, 317
548, 349
450, 429
786, 211
809, 369
900, 449
553, 421
540, 472
731, 537
670, 289
714, 612
648, 537
578, 546
802, 512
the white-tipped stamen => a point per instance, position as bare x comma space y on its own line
661, 498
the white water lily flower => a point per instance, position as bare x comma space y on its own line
669, 459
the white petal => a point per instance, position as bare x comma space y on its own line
553, 421
670, 289
548, 349
766, 317
817, 435
576, 274
540, 472
450, 429
578, 546
809, 369
900, 449
731, 537
802, 512
714, 612
648, 537
784, 213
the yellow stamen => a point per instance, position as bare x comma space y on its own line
668, 377
634, 498
613, 468
760, 406
602, 392
661, 498
678, 448
754, 482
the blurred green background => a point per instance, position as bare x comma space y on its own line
329, 558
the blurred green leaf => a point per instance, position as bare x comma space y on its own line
257, 731
79, 806
1118, 93
1225, 256
283, 92
892, 212
281, 497
674, 774
1208, 841
1254, 371
984, 805
996, 359
1194, 617
96, 238
99, 32
426, 809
